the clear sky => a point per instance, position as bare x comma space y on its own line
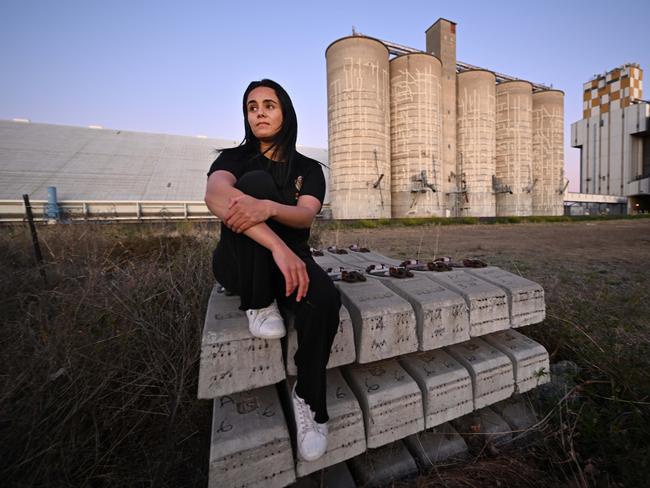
180, 67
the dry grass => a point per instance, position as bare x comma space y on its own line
100, 364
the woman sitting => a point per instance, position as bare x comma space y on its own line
267, 195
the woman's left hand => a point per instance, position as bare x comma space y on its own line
245, 211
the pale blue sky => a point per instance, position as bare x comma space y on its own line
181, 67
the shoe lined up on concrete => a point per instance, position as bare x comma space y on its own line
311, 436
266, 323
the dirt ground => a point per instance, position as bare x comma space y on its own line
608, 243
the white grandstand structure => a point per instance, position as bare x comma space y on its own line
108, 173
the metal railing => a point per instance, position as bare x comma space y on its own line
397, 49
97, 210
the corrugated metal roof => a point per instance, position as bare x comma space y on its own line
107, 164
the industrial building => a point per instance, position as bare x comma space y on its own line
418, 133
614, 137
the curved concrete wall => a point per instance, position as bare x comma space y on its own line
548, 153
514, 147
415, 127
358, 97
476, 133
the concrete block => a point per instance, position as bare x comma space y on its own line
482, 427
346, 437
390, 399
446, 385
519, 415
442, 316
337, 476
384, 323
525, 298
441, 443
379, 467
342, 351
250, 442
362, 259
328, 261
529, 358
232, 359
491, 371
488, 304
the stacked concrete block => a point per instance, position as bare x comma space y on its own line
520, 417
482, 427
491, 371
250, 441
442, 316
336, 476
379, 467
446, 385
392, 392
232, 359
488, 305
328, 260
384, 323
342, 351
525, 298
346, 437
362, 259
390, 399
441, 443
529, 358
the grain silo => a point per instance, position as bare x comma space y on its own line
476, 142
514, 148
415, 126
548, 152
358, 97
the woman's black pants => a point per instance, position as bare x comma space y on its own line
247, 269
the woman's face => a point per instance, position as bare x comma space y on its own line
264, 113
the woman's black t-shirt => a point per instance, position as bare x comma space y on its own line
306, 178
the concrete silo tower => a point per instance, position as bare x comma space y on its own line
416, 169
548, 152
358, 98
514, 148
441, 41
476, 127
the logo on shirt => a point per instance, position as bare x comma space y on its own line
298, 185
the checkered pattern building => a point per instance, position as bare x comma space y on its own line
615, 89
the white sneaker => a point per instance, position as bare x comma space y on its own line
311, 436
266, 323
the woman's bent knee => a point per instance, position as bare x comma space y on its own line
257, 184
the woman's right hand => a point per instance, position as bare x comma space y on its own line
293, 269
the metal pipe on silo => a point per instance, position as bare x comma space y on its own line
415, 131
548, 153
514, 148
476, 146
358, 97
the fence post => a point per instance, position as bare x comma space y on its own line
32, 228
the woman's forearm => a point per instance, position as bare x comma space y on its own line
218, 196
233, 207
294, 216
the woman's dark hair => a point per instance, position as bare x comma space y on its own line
285, 141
